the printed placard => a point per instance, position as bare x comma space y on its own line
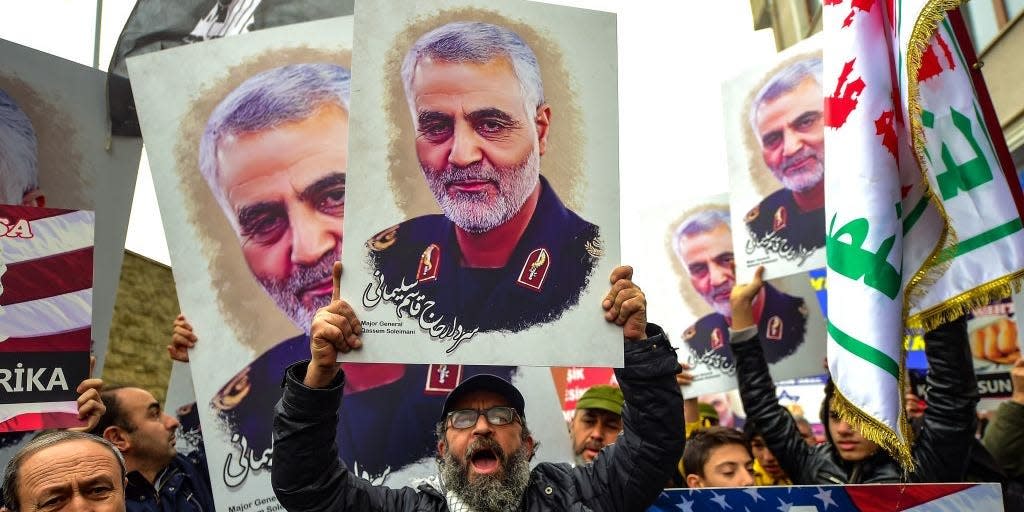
482, 218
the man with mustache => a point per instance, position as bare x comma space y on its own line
506, 254
703, 245
274, 154
787, 118
158, 477
597, 421
484, 444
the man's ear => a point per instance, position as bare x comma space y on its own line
117, 437
531, 446
543, 122
442, 448
693, 481
34, 197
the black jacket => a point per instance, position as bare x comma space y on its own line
941, 450
628, 475
183, 486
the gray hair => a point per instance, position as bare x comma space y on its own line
697, 223
477, 43
43, 441
18, 152
268, 100
785, 80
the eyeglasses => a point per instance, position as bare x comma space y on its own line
497, 416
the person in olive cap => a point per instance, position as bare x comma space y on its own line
597, 421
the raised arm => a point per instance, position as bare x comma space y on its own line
629, 474
307, 474
757, 390
942, 448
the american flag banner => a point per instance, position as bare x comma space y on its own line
46, 276
922, 221
835, 498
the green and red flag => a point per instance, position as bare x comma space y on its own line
922, 206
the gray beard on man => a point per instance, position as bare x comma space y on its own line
472, 211
499, 492
804, 180
285, 293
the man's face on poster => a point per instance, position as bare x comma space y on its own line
478, 144
791, 132
708, 259
286, 190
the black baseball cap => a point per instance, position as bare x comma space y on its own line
485, 382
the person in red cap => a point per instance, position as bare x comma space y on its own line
484, 445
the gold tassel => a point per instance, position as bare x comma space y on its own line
898, 445
920, 37
876, 431
956, 307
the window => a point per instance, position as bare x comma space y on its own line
986, 18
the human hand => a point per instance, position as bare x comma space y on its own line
182, 339
741, 299
996, 342
335, 329
90, 406
684, 377
914, 406
626, 305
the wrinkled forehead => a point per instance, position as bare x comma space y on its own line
65, 461
717, 240
806, 95
492, 81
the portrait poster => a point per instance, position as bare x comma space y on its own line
696, 262
180, 402
46, 259
76, 163
774, 133
56, 153
247, 279
513, 265
994, 337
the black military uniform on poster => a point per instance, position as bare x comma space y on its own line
779, 215
783, 324
549, 268
380, 430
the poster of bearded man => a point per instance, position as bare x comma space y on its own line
482, 220
56, 153
774, 132
697, 263
248, 145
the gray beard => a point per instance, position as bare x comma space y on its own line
803, 181
284, 292
472, 212
500, 492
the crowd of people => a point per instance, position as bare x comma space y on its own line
629, 439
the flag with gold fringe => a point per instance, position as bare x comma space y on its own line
922, 219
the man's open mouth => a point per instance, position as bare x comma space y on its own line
484, 461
